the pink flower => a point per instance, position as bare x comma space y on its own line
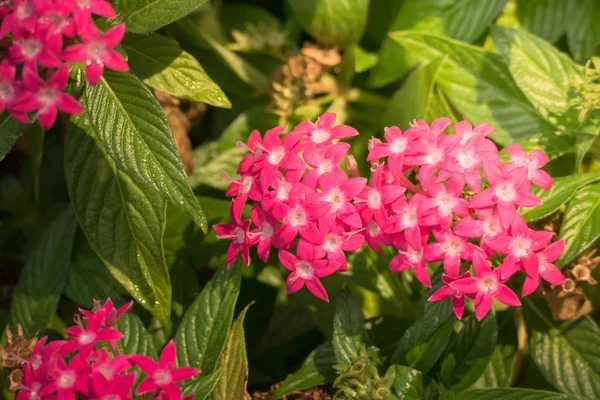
506, 192
374, 233
320, 134
9, 91
486, 227
307, 269
458, 298
68, 379
241, 189
85, 8
299, 214
407, 216
486, 286
117, 388
31, 49
548, 271
451, 248
163, 375
338, 191
43, 353
337, 240
282, 187
373, 199
253, 147
438, 149
444, 204
55, 17
238, 234
46, 97
437, 126
23, 16
267, 227
533, 162
411, 251
464, 130
34, 384
111, 314
396, 147
98, 51
109, 368
323, 160
85, 339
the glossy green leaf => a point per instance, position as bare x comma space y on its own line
202, 386
567, 354
424, 342
316, 370
349, 333
162, 65
583, 30
88, 279
122, 219
512, 394
408, 383
147, 16
415, 99
470, 352
554, 145
544, 18
234, 364
562, 190
332, 22
204, 328
363, 60
132, 131
462, 20
477, 83
137, 340
11, 130
580, 227
542, 72
44, 275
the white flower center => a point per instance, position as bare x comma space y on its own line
297, 217
304, 270
332, 242
96, 50
66, 380
162, 377
373, 228
106, 371
409, 217
86, 338
445, 203
398, 145
434, 156
6, 91
276, 155
543, 262
488, 284
25, 10
337, 199
283, 191
266, 230
83, 3
31, 47
374, 199
452, 246
492, 226
320, 135
506, 192
246, 184
521, 247
466, 159
240, 235
466, 137
47, 97
413, 255
325, 165
111, 397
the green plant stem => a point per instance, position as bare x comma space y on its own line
36, 146
356, 95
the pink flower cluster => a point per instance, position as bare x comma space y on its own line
34, 33
63, 369
307, 207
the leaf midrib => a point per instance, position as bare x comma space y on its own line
155, 2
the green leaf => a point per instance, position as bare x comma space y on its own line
332, 22
554, 145
562, 190
542, 72
512, 394
470, 353
415, 98
11, 130
162, 65
583, 30
137, 340
567, 354
123, 221
316, 370
132, 131
462, 20
580, 227
424, 342
349, 333
477, 83
363, 60
202, 386
88, 278
234, 364
44, 275
408, 382
544, 18
204, 328
147, 16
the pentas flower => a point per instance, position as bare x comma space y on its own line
163, 375
110, 314
9, 91
411, 254
486, 286
486, 227
241, 189
465, 131
373, 199
506, 193
458, 298
85, 338
33, 49
267, 228
336, 241
324, 160
450, 248
68, 378
118, 388
437, 127
444, 204
547, 271
438, 148
22, 17
321, 133
533, 161
84, 9
338, 191
306, 269
408, 216
35, 383
254, 151
238, 234
374, 233
55, 17
97, 51
396, 147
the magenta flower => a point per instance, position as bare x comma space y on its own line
444, 204
34, 384
55, 17
307, 269
267, 227
436, 128
9, 91
97, 51
374, 233
237, 232
111, 314
487, 285
465, 131
282, 187
338, 191
320, 134
458, 298
85, 8
486, 227
85, 339
548, 271
533, 162
373, 199
68, 378
22, 17
336, 240
323, 160
450, 248
438, 149
253, 147
46, 97
397, 146
31, 49
407, 216
411, 249
299, 214
163, 375
506, 192
118, 388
